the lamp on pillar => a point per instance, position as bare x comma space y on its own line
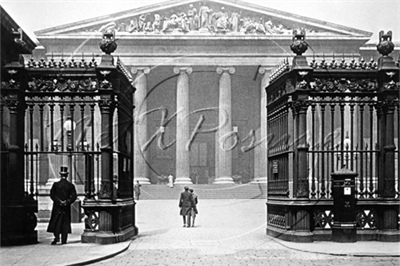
69, 126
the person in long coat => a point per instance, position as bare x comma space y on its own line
136, 189
194, 211
63, 194
186, 203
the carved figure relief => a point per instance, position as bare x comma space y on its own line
207, 17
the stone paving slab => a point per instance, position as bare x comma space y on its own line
227, 232
73, 253
232, 232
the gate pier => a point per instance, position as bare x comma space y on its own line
114, 221
79, 112
323, 117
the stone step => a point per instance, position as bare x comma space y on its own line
223, 191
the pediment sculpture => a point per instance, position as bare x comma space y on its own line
208, 17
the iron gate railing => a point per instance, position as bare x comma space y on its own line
323, 117
343, 133
344, 120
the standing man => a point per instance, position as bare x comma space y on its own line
194, 211
137, 189
63, 194
186, 203
171, 181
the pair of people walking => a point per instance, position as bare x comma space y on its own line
188, 204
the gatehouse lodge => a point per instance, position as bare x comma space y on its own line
216, 93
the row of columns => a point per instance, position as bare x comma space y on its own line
223, 162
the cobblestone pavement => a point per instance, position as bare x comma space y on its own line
227, 232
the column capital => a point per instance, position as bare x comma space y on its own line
183, 70
264, 70
135, 70
220, 70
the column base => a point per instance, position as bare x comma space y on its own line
18, 222
389, 235
290, 235
183, 181
105, 238
260, 180
142, 180
224, 180
109, 222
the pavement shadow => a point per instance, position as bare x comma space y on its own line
152, 232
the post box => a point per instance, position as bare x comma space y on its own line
344, 206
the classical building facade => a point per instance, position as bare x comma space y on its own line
200, 69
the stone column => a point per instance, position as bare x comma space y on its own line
224, 134
262, 178
182, 126
140, 167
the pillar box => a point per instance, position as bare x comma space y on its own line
344, 206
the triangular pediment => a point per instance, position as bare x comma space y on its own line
218, 17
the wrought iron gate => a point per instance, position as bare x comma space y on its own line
325, 116
74, 113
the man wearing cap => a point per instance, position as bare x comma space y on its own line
186, 203
63, 194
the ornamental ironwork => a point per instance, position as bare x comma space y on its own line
344, 85
62, 85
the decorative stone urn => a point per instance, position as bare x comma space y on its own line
108, 44
299, 45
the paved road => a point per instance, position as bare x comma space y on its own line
227, 232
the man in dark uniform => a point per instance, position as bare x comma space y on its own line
186, 204
63, 194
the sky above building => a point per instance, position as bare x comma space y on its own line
368, 15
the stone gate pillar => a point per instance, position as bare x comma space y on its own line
224, 138
106, 105
388, 77
182, 126
18, 206
141, 169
